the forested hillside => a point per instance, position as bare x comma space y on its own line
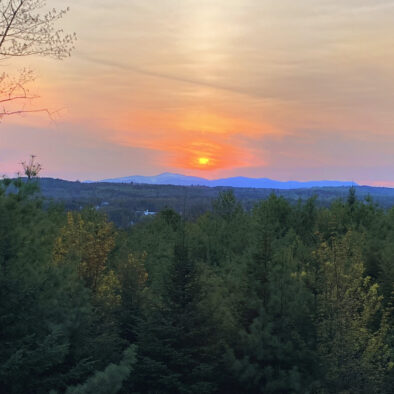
123, 202
277, 298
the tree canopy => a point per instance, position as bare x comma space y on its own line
284, 298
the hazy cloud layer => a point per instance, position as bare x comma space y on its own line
287, 89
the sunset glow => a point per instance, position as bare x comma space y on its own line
203, 160
286, 90
196, 196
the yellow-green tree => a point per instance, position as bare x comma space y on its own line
351, 327
86, 242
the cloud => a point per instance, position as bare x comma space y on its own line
279, 88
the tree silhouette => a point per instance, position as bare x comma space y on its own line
26, 30
31, 168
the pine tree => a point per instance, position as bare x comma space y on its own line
172, 342
110, 380
44, 312
273, 354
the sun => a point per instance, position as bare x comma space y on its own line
203, 160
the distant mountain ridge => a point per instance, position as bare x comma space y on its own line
168, 178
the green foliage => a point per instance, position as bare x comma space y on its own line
281, 298
43, 309
111, 379
47, 318
351, 345
272, 353
124, 200
173, 338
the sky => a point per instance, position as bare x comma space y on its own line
290, 90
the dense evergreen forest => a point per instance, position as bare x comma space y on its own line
280, 298
121, 202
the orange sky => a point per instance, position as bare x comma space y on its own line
282, 89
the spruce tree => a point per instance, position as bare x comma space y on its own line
172, 341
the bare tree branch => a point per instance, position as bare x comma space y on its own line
26, 29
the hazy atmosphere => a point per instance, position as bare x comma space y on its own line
287, 90
196, 197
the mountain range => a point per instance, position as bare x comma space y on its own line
240, 181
